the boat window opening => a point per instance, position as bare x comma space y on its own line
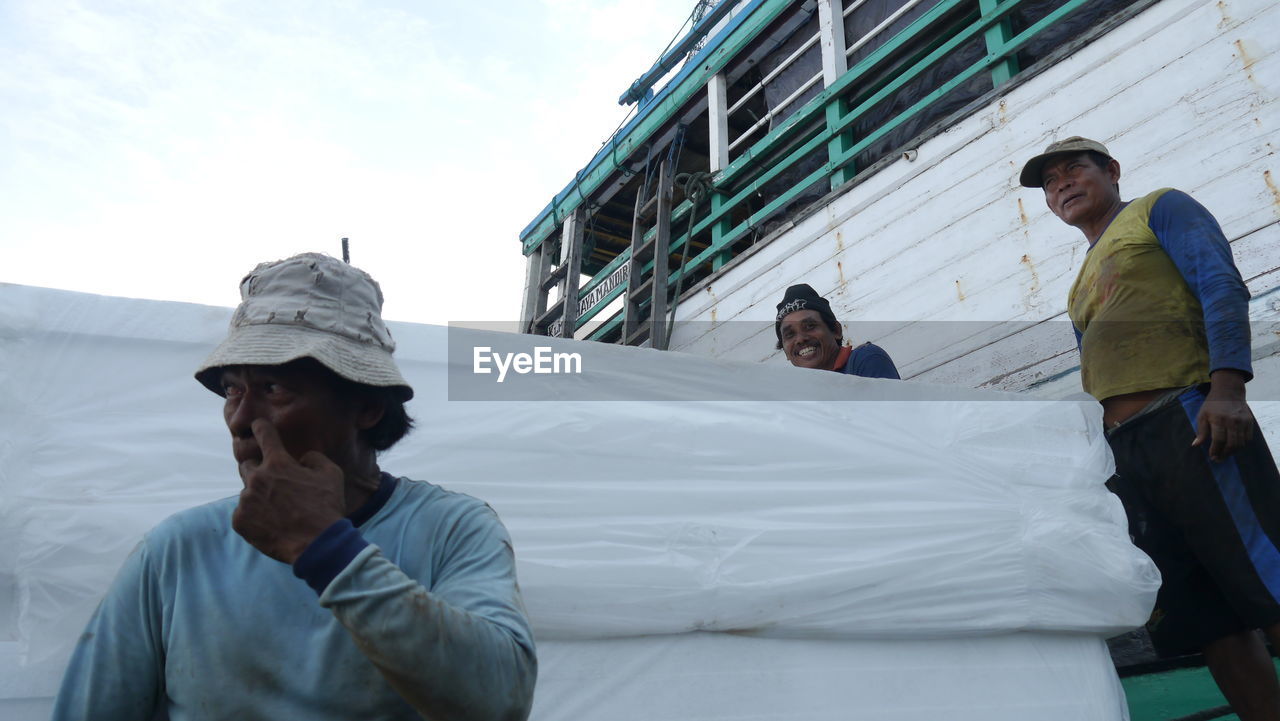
786, 77
889, 112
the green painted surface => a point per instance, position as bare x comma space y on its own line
829, 97
656, 116
996, 36
841, 147
1173, 694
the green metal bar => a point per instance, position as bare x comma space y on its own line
992, 58
739, 230
605, 329
809, 110
815, 142
840, 143
996, 36
996, 55
783, 133
718, 231
1014, 44
612, 295
659, 115
605, 272
608, 298
827, 97
848, 120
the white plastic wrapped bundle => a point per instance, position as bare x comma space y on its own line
911, 512
919, 511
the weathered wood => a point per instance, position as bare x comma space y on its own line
1180, 93
718, 119
831, 38
658, 336
571, 259
631, 314
535, 296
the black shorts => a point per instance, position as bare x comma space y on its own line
1213, 529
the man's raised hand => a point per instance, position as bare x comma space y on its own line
286, 502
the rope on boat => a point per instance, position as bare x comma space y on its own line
697, 187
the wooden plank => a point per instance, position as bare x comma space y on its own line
688, 83
831, 38
535, 299
571, 257
661, 255
631, 316
952, 238
718, 119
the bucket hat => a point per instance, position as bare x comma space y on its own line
309, 306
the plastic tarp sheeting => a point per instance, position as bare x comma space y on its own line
917, 526
1011, 677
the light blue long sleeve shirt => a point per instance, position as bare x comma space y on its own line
425, 617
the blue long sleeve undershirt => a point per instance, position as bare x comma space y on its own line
339, 544
1198, 248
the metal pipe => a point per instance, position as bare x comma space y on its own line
774, 113
876, 30
676, 54
773, 73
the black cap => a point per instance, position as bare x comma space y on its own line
803, 297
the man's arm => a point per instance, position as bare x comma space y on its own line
116, 672
460, 650
1195, 243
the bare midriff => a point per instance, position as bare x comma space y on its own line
1118, 409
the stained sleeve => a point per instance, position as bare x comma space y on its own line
116, 672
459, 650
1192, 238
871, 361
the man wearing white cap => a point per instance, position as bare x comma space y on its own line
1161, 317
327, 589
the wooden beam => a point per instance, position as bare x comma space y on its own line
571, 255
831, 38
718, 125
535, 299
689, 81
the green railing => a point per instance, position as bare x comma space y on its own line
991, 24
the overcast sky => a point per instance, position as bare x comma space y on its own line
161, 149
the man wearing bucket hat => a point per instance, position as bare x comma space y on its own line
1161, 318
327, 589
810, 337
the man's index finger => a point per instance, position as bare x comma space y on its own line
269, 439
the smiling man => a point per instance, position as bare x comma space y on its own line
1161, 318
327, 589
811, 337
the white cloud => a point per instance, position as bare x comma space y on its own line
161, 150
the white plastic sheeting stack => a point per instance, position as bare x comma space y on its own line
932, 549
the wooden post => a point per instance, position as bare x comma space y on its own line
718, 115
661, 258
995, 36
535, 298
831, 37
571, 255
834, 64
